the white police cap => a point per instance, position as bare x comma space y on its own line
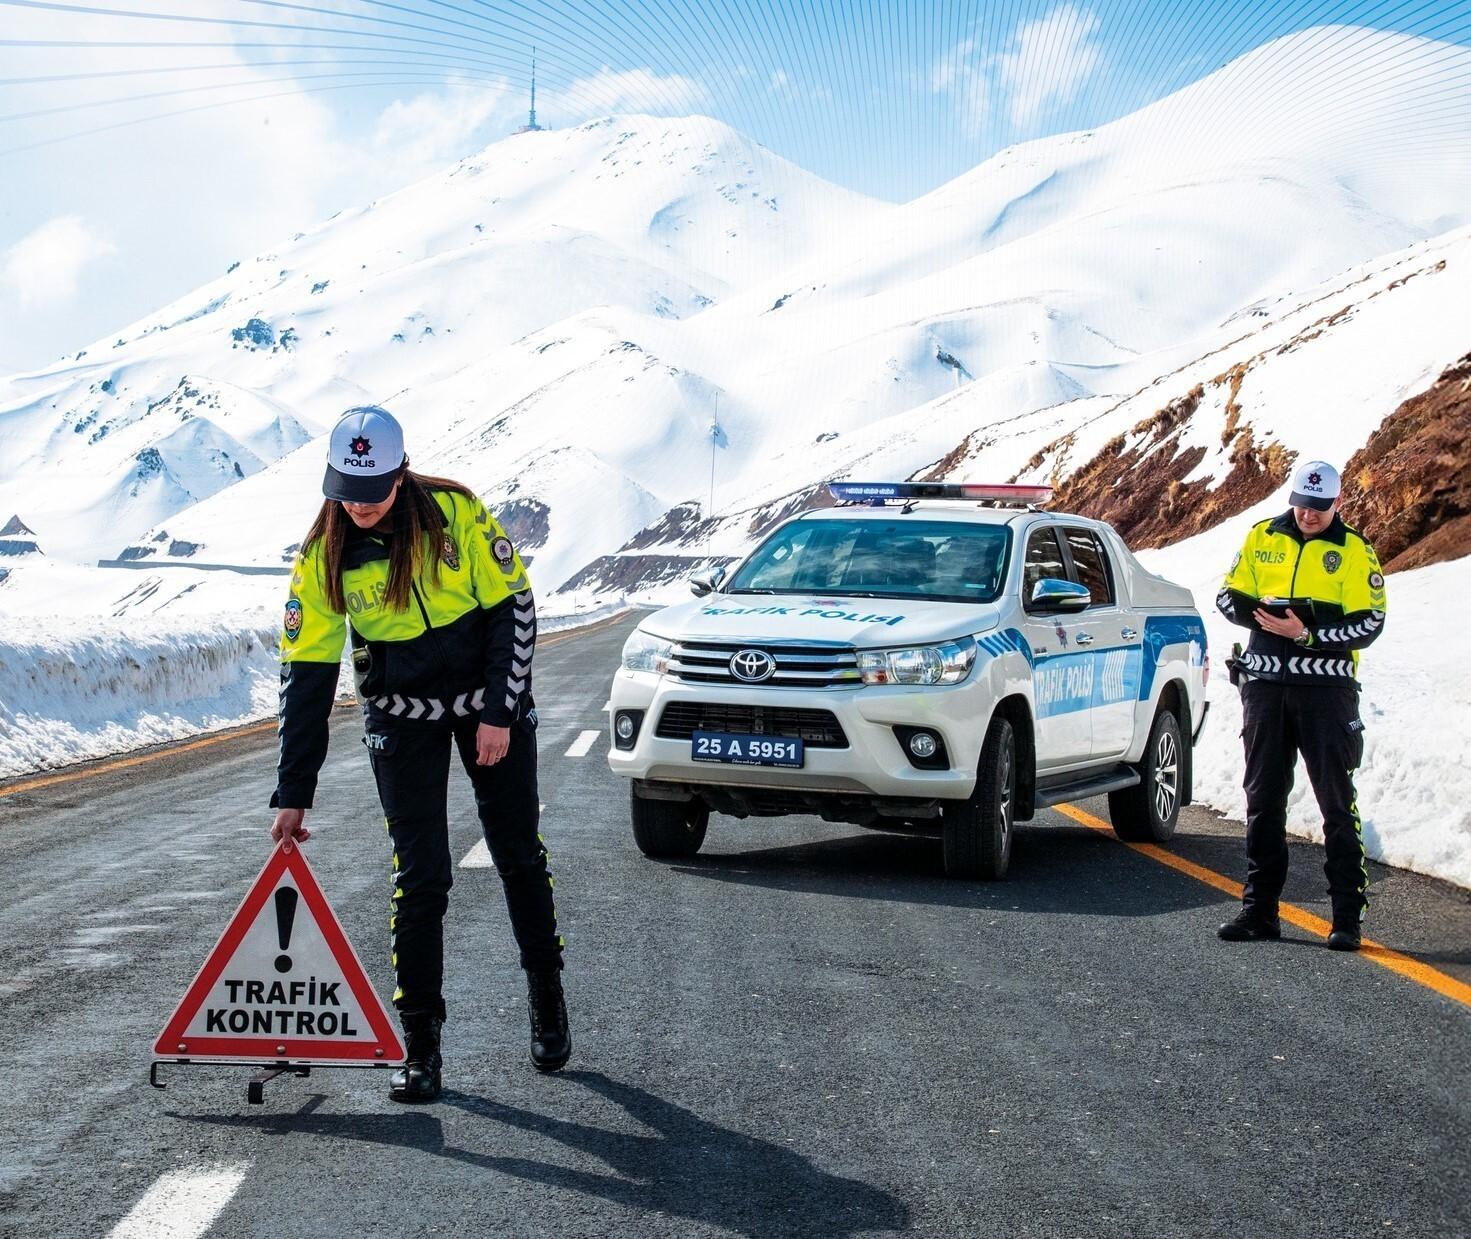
1315, 485
363, 456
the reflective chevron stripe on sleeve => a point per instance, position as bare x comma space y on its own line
1345, 633
522, 648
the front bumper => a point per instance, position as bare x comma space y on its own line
874, 763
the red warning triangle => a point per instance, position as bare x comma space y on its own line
282, 985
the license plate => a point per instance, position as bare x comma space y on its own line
746, 750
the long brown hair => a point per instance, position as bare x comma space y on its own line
415, 514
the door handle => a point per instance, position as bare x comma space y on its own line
1129, 634
1084, 638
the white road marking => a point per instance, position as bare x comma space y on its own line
182, 1204
583, 743
478, 857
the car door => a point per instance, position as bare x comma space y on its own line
1110, 633
1061, 690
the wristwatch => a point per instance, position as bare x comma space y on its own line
1304, 638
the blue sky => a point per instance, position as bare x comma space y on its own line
136, 167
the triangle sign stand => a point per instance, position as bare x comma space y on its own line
282, 989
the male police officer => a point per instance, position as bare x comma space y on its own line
1311, 591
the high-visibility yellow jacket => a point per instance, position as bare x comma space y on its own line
465, 641
1336, 572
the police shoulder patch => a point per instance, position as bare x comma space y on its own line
1376, 580
503, 551
291, 624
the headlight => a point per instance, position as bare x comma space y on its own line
645, 652
921, 664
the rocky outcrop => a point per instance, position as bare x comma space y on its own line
1137, 482
18, 539
1409, 487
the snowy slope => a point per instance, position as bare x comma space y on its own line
657, 218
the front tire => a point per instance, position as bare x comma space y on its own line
977, 832
1149, 812
668, 829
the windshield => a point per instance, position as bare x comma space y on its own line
882, 557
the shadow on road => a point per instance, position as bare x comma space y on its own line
1054, 869
689, 1167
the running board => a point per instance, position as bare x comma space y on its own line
1114, 780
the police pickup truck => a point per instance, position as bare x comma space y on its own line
920, 657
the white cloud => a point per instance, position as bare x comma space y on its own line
1048, 60
434, 128
43, 268
963, 74
1045, 63
630, 90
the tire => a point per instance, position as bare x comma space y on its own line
668, 829
1149, 812
977, 832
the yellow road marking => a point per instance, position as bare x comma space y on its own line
1395, 961
122, 763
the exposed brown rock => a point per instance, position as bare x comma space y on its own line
527, 522
1408, 489
625, 573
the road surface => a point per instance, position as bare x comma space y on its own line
804, 1031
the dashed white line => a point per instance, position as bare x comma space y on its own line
583, 743
478, 857
182, 1204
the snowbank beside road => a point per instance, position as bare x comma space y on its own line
1415, 783
103, 687
67, 696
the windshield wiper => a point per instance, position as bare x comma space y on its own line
750, 591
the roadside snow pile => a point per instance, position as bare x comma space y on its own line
1415, 783
68, 696
106, 687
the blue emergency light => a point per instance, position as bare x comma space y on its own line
880, 493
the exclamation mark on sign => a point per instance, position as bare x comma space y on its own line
286, 898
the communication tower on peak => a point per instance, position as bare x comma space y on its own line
531, 126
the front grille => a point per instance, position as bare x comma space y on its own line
798, 665
819, 729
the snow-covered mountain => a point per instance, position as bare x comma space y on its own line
403, 302
646, 341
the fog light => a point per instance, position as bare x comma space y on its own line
624, 727
922, 745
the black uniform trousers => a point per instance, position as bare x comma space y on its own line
411, 767
1322, 723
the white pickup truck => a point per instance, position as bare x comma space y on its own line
922, 655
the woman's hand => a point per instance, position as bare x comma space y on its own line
491, 744
290, 826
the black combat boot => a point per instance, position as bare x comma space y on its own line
551, 1041
1251, 925
418, 1079
1346, 936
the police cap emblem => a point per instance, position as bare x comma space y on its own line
1332, 562
291, 624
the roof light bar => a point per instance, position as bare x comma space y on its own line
879, 493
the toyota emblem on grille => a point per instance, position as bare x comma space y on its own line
752, 666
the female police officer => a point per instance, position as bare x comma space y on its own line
442, 621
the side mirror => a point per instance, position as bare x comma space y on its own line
1052, 594
707, 582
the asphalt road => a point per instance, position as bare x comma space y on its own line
805, 1031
